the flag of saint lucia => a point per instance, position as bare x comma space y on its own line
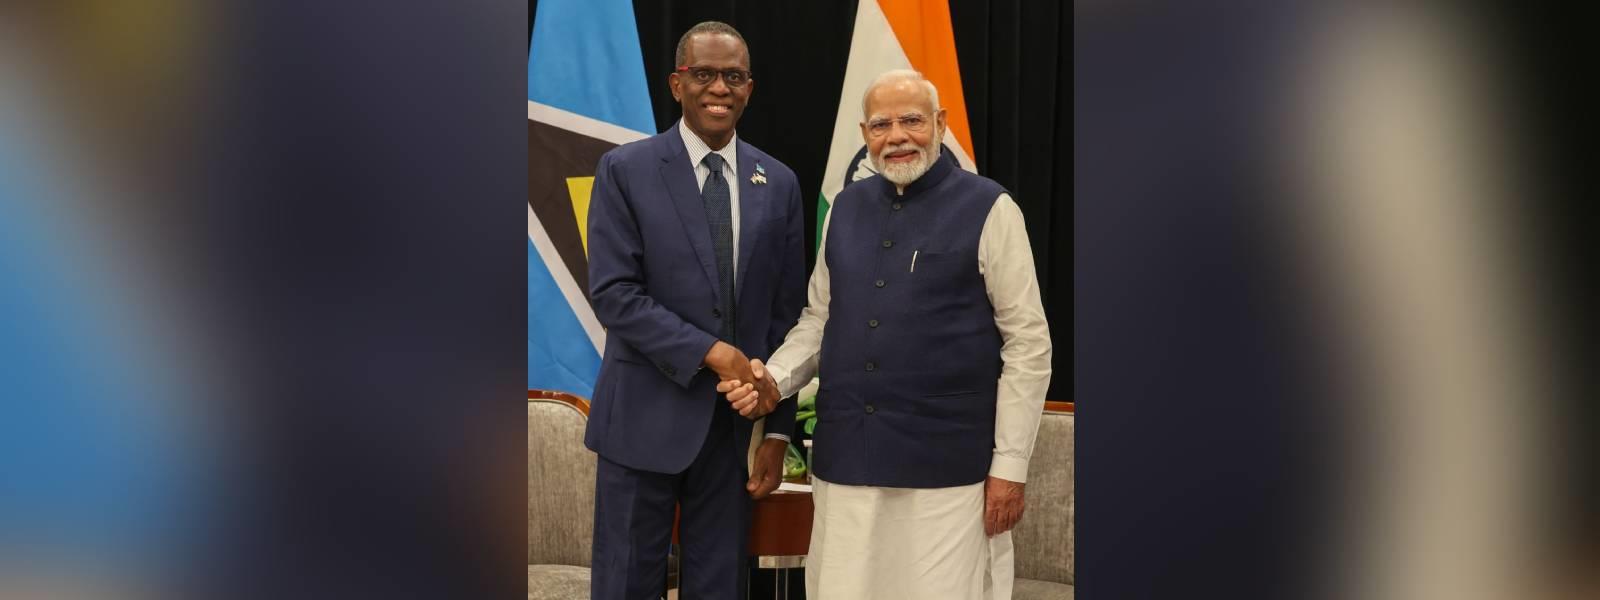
586, 95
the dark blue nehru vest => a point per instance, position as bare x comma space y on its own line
910, 354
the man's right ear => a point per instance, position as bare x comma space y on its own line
672, 85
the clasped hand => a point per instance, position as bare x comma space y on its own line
745, 381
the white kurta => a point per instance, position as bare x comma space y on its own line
889, 543
873, 542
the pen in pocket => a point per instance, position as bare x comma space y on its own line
914, 260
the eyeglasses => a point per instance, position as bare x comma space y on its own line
911, 122
706, 75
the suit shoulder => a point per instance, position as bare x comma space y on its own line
630, 152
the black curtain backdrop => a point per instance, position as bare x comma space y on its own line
1014, 63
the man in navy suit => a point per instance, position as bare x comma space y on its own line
696, 266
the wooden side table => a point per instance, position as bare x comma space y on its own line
780, 535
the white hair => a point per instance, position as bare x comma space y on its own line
897, 76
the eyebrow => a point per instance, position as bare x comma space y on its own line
909, 114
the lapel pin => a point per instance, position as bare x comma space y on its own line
760, 178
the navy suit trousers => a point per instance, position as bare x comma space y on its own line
633, 522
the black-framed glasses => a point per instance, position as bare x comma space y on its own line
912, 122
706, 75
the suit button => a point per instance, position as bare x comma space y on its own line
716, 312
897, 206
878, 283
888, 244
872, 366
870, 409
873, 323
671, 372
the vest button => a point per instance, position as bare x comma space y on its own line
716, 312
878, 283
870, 409
872, 366
897, 206
888, 244
872, 323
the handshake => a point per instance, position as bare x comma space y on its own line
745, 381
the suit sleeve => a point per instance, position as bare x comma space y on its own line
619, 292
789, 300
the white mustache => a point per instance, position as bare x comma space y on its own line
884, 154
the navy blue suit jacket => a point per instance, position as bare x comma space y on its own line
653, 284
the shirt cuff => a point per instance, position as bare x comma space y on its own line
1009, 468
780, 378
778, 436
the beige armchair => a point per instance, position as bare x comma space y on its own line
560, 497
1044, 537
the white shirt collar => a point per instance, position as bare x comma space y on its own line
698, 148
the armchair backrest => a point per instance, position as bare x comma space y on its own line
1044, 537
560, 485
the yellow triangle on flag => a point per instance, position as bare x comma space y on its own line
579, 188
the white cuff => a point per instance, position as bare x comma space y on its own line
1009, 468
778, 436
780, 378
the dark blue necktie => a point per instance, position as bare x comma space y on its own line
719, 215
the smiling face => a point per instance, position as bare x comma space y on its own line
902, 153
712, 110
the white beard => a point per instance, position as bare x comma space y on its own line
902, 174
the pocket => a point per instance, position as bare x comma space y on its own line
771, 227
942, 269
946, 406
951, 394
940, 282
938, 260
775, 216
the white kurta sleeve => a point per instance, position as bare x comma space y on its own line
1006, 261
795, 362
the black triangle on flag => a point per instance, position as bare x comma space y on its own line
556, 155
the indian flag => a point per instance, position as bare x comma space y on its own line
895, 34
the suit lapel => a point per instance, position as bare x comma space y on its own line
679, 178
752, 210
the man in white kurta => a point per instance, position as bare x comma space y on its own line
904, 533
